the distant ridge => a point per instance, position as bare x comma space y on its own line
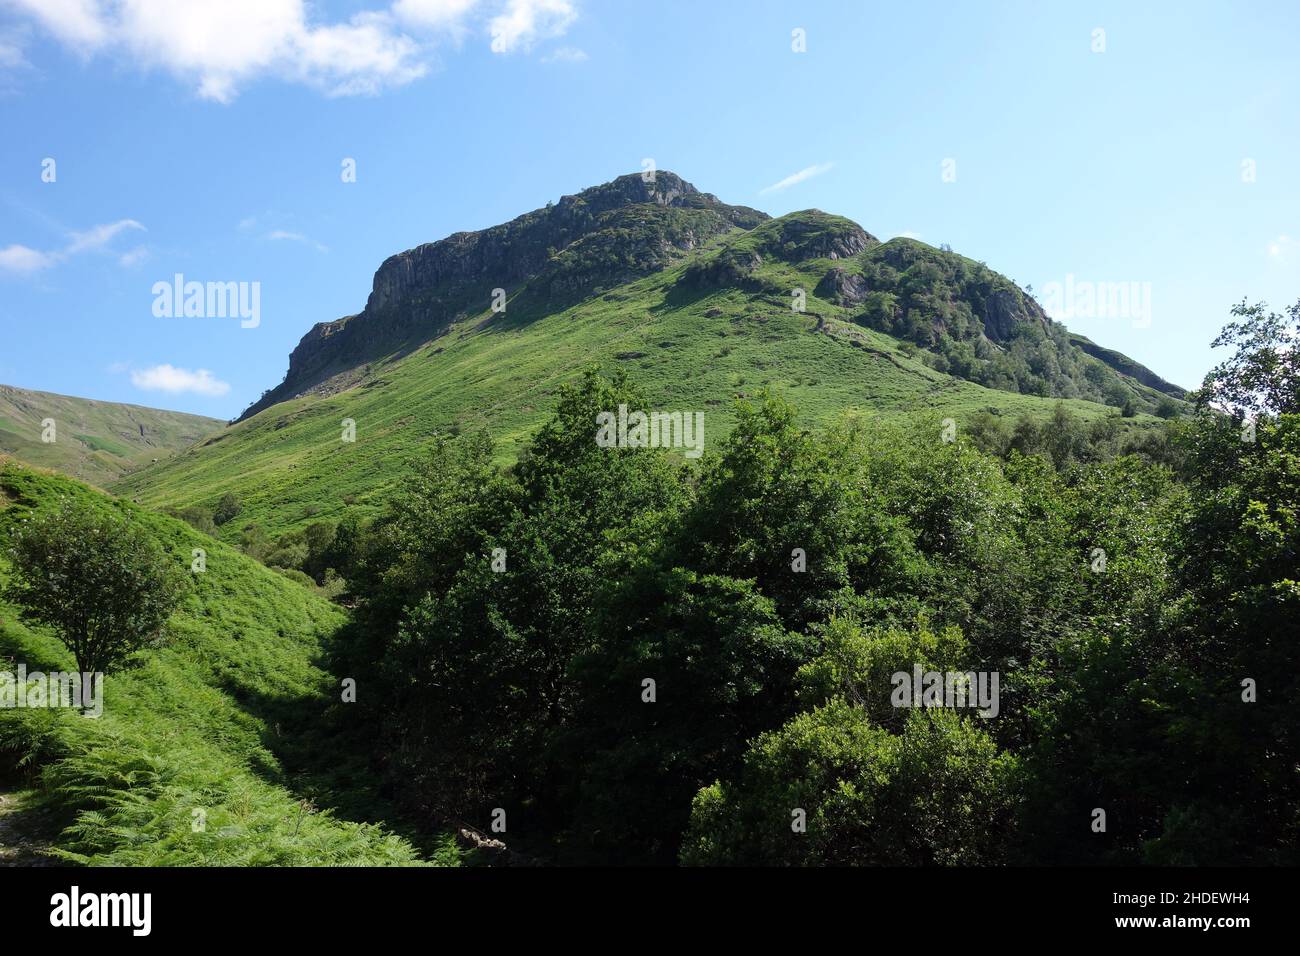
96, 441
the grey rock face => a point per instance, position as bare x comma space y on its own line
813, 240
843, 288
418, 293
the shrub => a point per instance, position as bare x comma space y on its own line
101, 581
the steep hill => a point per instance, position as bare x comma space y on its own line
200, 729
697, 300
92, 440
610, 233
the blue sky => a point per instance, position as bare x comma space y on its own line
208, 139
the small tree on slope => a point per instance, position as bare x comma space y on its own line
101, 581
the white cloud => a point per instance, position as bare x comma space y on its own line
214, 44
11, 54
133, 257
220, 46
168, 378
99, 236
282, 235
909, 235
523, 21
24, 260
361, 57
807, 172
78, 23
13, 40
440, 14
566, 54
1281, 246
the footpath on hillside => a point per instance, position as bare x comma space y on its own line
19, 825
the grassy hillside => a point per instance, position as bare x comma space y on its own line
694, 336
94, 441
211, 722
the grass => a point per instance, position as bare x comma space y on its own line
95, 441
687, 348
199, 730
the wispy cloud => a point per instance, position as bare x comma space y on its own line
566, 54
282, 235
269, 227
23, 260
808, 172
1283, 245
219, 48
11, 51
77, 23
436, 14
99, 236
168, 378
133, 257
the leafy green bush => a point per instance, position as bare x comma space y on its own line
102, 582
938, 792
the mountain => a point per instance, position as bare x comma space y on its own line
96, 441
699, 301
610, 233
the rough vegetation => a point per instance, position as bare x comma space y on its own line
95, 441
206, 750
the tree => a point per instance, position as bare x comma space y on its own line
255, 542
102, 581
1263, 377
1167, 408
830, 788
319, 538
721, 667
227, 509
196, 518
485, 582
1239, 567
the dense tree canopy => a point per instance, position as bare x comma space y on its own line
644, 661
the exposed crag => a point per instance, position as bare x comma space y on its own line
609, 233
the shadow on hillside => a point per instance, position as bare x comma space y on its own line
682, 295
28, 828
328, 757
14, 652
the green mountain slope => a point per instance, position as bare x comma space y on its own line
198, 730
95, 441
695, 299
